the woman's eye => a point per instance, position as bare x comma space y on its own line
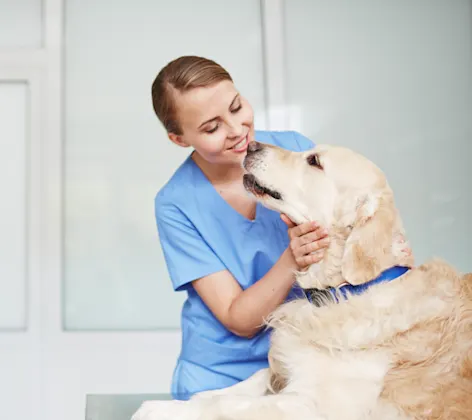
236, 109
212, 130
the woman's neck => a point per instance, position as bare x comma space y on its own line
219, 174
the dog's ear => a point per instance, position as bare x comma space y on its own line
368, 249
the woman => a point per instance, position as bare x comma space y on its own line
235, 258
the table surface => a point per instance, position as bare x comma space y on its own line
117, 406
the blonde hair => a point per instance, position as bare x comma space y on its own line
182, 74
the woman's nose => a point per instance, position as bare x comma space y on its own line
235, 129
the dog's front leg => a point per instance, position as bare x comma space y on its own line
269, 407
168, 410
231, 407
255, 385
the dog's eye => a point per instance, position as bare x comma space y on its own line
314, 160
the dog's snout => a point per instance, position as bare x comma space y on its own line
254, 146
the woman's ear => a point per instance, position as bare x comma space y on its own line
177, 139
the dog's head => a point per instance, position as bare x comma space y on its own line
338, 188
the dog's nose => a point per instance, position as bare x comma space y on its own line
253, 147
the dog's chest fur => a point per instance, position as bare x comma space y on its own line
349, 354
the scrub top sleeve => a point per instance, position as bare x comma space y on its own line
187, 255
304, 143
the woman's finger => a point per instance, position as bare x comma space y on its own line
303, 229
313, 236
313, 246
308, 260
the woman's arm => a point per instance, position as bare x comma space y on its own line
243, 311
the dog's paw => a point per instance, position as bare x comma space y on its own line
166, 410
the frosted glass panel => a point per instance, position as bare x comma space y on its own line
393, 80
117, 155
13, 123
20, 23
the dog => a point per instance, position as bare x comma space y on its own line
384, 341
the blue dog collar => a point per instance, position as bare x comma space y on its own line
316, 296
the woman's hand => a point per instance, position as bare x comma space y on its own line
305, 240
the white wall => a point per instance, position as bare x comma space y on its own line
393, 80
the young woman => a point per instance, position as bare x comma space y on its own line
234, 258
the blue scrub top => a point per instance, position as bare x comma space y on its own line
201, 234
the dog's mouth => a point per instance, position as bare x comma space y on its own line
255, 187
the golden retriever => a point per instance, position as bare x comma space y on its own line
369, 350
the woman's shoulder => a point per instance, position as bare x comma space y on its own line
177, 191
289, 139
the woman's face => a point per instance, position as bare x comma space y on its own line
216, 121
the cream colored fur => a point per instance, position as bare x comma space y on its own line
400, 351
